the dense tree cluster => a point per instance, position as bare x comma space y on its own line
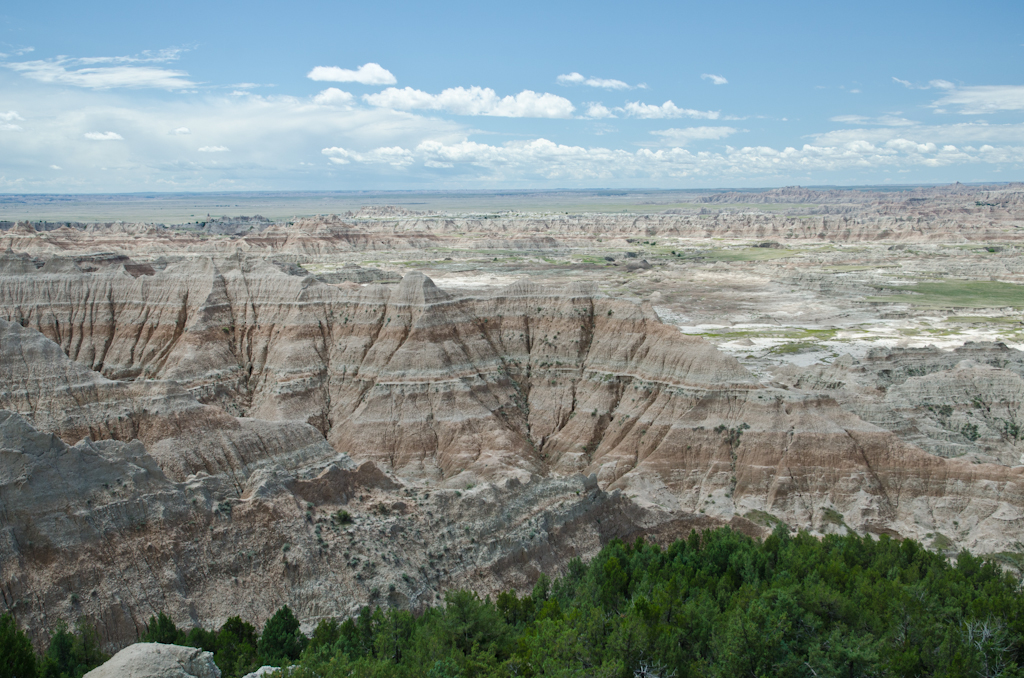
718, 604
71, 653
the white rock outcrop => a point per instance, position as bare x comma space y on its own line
156, 660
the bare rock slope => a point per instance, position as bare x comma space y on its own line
477, 439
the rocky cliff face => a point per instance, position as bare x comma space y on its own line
461, 390
966, 403
517, 429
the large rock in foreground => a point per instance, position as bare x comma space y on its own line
156, 660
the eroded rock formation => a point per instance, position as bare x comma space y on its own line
181, 438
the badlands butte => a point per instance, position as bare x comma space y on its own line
223, 416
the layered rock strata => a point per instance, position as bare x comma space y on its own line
461, 390
477, 439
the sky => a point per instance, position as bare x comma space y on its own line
219, 96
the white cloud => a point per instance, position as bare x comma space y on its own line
106, 72
17, 52
332, 96
888, 120
213, 149
937, 84
602, 83
474, 101
269, 136
606, 83
520, 160
181, 131
681, 137
367, 74
960, 133
7, 121
983, 99
395, 156
272, 136
598, 111
104, 136
635, 109
715, 79
56, 167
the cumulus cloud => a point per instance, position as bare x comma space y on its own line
715, 79
474, 101
214, 149
367, 74
636, 109
598, 111
7, 121
332, 96
683, 136
181, 131
104, 136
106, 72
603, 83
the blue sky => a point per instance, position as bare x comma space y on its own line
129, 96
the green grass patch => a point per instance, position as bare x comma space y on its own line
941, 543
957, 293
797, 347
